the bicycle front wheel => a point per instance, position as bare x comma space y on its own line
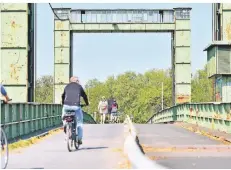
4, 150
75, 135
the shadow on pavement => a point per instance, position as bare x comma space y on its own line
91, 148
32, 168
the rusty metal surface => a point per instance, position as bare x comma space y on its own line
62, 38
227, 25
14, 50
182, 61
62, 25
62, 55
14, 29
92, 21
14, 69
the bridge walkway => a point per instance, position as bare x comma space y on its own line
175, 147
99, 150
168, 144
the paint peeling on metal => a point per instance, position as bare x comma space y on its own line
59, 25
228, 30
62, 25
62, 55
14, 70
14, 29
182, 38
62, 38
183, 99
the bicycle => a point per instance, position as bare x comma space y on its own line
71, 124
4, 146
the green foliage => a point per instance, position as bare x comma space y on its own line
202, 87
138, 95
44, 90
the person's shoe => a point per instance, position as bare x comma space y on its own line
80, 142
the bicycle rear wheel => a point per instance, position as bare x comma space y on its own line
69, 137
4, 150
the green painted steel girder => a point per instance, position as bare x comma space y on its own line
175, 21
20, 119
216, 116
17, 72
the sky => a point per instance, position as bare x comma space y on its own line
137, 52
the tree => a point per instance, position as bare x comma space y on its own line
202, 87
44, 89
138, 95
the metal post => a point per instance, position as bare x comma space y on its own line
95, 116
88, 94
35, 49
162, 95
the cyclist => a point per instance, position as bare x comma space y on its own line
4, 93
71, 101
114, 110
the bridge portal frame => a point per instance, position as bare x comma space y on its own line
175, 21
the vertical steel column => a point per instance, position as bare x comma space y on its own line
31, 56
14, 50
173, 68
35, 49
182, 62
225, 20
62, 57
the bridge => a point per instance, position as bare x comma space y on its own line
185, 135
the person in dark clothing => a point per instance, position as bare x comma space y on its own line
71, 101
114, 110
110, 102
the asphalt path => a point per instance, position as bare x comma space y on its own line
214, 154
99, 147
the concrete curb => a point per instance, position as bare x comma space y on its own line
46, 133
134, 151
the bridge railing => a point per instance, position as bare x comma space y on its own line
210, 115
20, 119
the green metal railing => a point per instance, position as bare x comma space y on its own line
87, 118
21, 119
210, 115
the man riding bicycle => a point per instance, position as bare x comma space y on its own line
71, 101
4, 93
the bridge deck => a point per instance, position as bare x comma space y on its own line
101, 141
175, 147
97, 151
